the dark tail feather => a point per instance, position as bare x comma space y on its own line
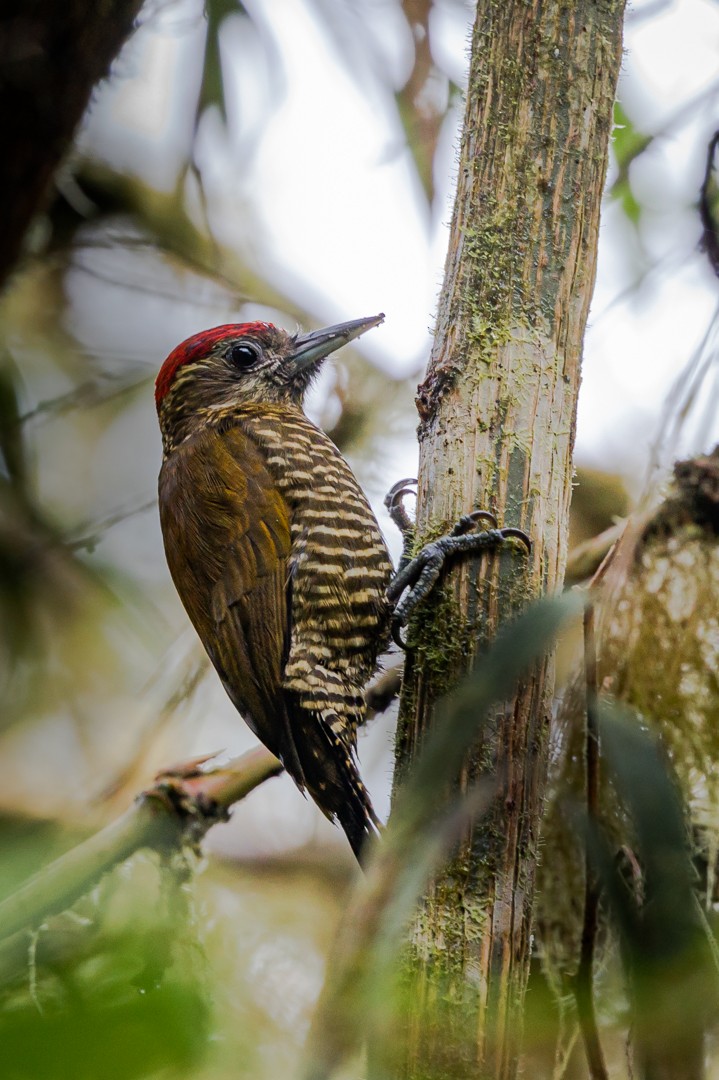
329, 770
357, 817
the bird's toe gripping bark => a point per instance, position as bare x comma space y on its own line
394, 501
416, 577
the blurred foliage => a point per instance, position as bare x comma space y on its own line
673, 990
212, 91
667, 989
162, 972
46, 590
656, 964
113, 988
423, 98
628, 145
599, 499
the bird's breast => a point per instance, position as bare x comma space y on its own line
340, 566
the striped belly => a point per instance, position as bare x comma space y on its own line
339, 568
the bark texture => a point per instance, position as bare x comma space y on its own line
51, 57
497, 425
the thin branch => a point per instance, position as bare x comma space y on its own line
179, 809
583, 988
710, 240
563, 1053
92, 538
195, 665
98, 391
711, 941
585, 559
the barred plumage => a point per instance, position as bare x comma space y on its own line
275, 551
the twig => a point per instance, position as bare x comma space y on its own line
583, 988
709, 241
712, 947
181, 806
91, 539
177, 810
585, 559
563, 1054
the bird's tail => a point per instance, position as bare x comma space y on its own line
330, 773
354, 809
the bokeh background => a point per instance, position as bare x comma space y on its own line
291, 161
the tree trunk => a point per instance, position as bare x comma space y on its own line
497, 425
656, 602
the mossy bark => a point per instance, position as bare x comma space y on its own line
497, 416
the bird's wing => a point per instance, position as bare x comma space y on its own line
234, 543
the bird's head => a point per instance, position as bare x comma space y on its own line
240, 364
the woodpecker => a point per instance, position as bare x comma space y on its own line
277, 556
274, 550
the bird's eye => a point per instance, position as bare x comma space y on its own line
243, 356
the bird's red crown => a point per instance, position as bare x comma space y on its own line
198, 345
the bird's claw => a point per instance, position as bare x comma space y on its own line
394, 501
418, 576
402, 487
517, 534
468, 521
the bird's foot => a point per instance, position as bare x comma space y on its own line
394, 501
416, 577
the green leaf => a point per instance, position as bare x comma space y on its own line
628, 144
668, 965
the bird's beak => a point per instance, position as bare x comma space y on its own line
309, 348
